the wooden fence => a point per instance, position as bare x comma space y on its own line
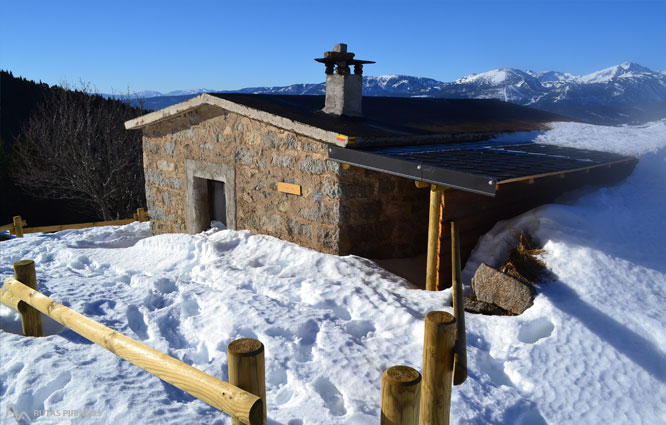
18, 227
242, 405
407, 397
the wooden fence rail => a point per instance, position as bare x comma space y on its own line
18, 227
242, 405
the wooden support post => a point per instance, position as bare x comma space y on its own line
401, 393
434, 236
247, 369
348, 167
31, 319
440, 336
18, 226
460, 358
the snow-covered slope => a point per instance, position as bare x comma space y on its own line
626, 93
624, 70
591, 350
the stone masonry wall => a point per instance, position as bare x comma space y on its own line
262, 155
340, 211
382, 216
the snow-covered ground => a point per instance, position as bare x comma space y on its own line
590, 351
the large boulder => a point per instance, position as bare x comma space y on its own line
494, 287
472, 305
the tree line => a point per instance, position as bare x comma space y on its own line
65, 155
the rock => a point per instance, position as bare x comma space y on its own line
170, 148
296, 228
472, 305
157, 213
166, 198
494, 287
330, 238
244, 156
175, 183
270, 140
291, 142
155, 177
313, 166
283, 161
165, 165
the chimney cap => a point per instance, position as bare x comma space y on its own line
340, 47
342, 59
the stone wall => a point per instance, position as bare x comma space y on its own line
382, 216
340, 211
261, 155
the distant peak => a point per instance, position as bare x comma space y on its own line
495, 76
610, 73
395, 77
632, 66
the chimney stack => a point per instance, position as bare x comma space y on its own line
344, 91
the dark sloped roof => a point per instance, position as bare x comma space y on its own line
471, 166
420, 138
476, 166
396, 117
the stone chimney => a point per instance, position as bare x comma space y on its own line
344, 91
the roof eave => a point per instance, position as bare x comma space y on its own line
267, 117
167, 113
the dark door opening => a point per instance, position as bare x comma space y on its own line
217, 202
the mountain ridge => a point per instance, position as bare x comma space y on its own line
628, 93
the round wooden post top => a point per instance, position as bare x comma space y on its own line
245, 347
403, 376
24, 263
440, 317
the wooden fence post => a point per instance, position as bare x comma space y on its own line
247, 370
401, 392
440, 337
31, 319
460, 357
140, 215
18, 226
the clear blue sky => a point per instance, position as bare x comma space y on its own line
146, 45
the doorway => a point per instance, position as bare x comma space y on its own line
210, 195
217, 202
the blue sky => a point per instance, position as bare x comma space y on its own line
145, 45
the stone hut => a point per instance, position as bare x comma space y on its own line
343, 174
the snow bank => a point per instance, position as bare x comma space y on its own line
590, 350
626, 140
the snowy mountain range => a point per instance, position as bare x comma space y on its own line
623, 94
